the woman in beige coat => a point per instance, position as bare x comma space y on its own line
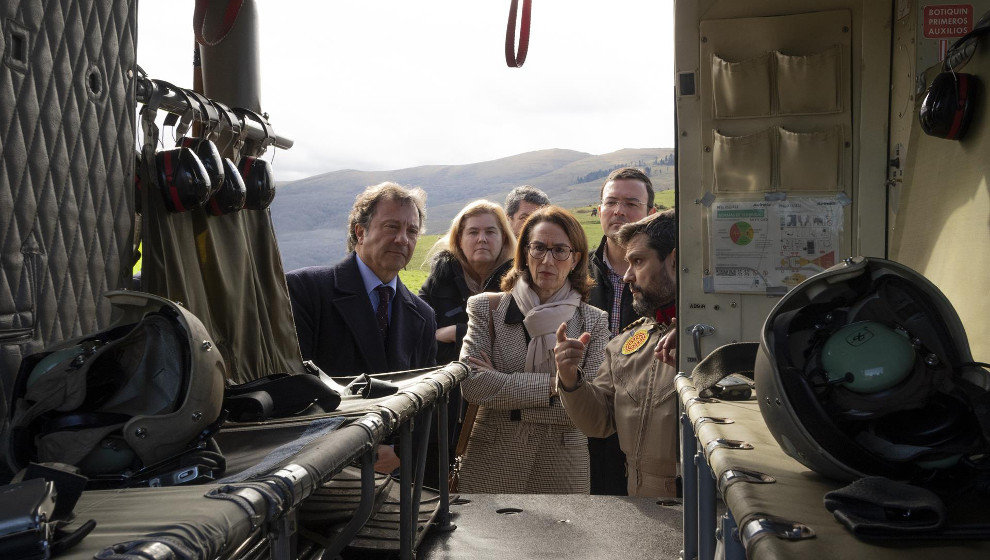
522, 440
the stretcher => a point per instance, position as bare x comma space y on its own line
745, 498
288, 491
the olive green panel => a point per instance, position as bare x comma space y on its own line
942, 223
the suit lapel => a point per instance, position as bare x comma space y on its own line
355, 310
404, 329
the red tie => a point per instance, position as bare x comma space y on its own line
384, 294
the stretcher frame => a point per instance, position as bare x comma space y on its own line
275, 496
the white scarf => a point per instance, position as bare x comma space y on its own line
542, 321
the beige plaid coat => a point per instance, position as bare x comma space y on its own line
522, 441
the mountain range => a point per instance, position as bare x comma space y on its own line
310, 215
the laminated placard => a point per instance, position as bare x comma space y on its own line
762, 246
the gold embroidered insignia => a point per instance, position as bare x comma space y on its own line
636, 341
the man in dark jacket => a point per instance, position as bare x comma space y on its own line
357, 316
626, 197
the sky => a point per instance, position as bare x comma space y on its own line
389, 84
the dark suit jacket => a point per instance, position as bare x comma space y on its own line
337, 327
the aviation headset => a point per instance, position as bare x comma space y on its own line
230, 197
949, 104
951, 99
256, 172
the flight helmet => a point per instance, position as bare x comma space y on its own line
865, 369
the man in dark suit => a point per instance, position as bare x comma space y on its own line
357, 316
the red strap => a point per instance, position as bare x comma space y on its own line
962, 92
511, 58
199, 22
173, 190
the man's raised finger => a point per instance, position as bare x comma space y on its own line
562, 332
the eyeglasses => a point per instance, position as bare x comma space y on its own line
539, 250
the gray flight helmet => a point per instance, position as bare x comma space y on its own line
133, 395
865, 369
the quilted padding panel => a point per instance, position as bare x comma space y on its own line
67, 121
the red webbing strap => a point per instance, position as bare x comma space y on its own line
199, 22
513, 59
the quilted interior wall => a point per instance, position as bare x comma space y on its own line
942, 224
66, 180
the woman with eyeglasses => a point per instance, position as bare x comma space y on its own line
522, 440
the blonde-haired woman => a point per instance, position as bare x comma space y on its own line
471, 258
523, 441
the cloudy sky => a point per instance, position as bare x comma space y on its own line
388, 84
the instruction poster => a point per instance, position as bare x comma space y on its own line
772, 246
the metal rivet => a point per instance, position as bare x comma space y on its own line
141, 433
707, 149
716, 307
777, 400
847, 144
197, 416
683, 133
845, 29
78, 361
207, 345
732, 304
684, 270
704, 39
706, 272
931, 360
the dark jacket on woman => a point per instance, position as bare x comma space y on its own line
447, 292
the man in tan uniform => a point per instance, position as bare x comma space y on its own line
633, 392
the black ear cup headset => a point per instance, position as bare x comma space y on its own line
231, 195
257, 173
258, 181
948, 106
209, 156
182, 179
952, 97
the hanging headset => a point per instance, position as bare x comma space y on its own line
948, 106
951, 99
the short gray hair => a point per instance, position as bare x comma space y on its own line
525, 193
366, 203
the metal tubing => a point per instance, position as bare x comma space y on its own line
706, 509
689, 447
424, 421
406, 527
443, 445
732, 544
172, 102
283, 543
363, 512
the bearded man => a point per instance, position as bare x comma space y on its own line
633, 392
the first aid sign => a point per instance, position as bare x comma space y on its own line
946, 21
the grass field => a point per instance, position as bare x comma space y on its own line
417, 271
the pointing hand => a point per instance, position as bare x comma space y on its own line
569, 353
